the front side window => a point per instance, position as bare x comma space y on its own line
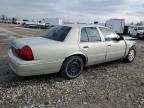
108, 34
58, 33
140, 28
90, 34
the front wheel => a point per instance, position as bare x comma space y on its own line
72, 67
129, 34
131, 55
137, 36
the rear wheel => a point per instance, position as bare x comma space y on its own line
137, 36
72, 67
131, 55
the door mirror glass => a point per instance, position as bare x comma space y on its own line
117, 38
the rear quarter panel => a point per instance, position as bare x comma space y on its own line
57, 52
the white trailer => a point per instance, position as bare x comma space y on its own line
53, 21
116, 25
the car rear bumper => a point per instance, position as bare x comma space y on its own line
30, 68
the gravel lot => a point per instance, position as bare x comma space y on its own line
17, 30
110, 85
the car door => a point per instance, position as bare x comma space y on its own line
115, 48
135, 31
92, 45
131, 30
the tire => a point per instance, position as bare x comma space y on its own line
137, 36
129, 34
131, 55
72, 67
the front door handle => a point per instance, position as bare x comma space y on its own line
109, 45
86, 47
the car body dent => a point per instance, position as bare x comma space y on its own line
129, 44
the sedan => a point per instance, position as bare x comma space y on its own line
68, 49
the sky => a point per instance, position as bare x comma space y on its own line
75, 10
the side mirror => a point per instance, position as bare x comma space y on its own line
116, 38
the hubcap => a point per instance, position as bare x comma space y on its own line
74, 67
131, 55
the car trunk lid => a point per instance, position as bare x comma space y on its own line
32, 41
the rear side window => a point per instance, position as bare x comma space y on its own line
90, 34
58, 33
84, 36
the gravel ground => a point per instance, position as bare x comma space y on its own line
18, 30
110, 85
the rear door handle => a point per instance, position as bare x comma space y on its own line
86, 47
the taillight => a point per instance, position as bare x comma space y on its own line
25, 53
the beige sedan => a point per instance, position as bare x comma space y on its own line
68, 49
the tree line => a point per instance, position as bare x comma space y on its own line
5, 19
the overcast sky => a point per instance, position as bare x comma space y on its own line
74, 10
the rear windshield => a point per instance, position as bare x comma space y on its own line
57, 33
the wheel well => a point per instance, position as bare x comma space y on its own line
133, 47
82, 56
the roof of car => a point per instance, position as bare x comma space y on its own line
84, 25
141, 26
